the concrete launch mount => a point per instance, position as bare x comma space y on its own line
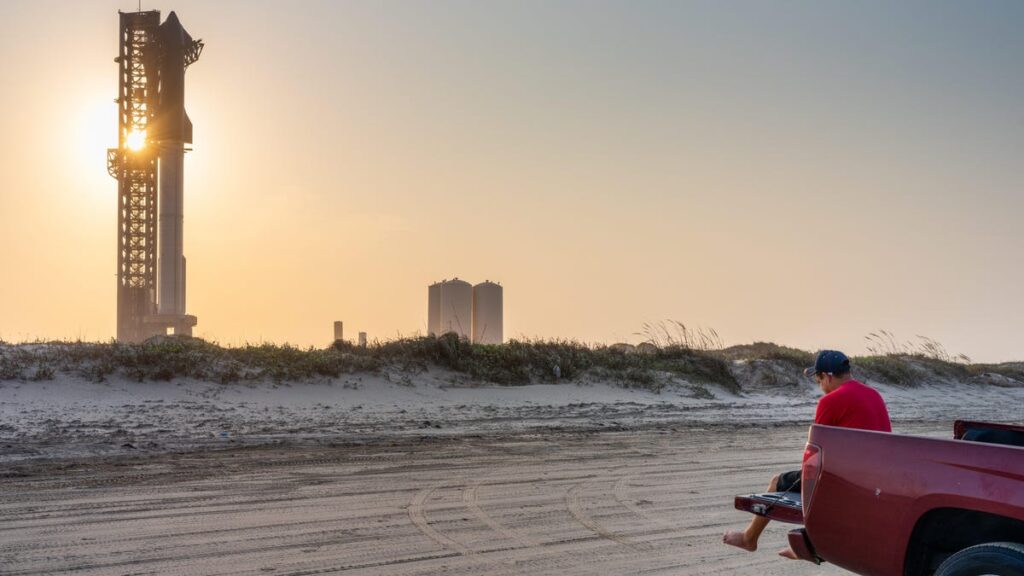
148, 164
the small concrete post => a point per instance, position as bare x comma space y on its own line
339, 333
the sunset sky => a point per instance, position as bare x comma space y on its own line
796, 172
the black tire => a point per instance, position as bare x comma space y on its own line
994, 558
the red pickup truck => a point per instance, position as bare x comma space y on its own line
884, 504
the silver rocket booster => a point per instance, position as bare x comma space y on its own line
173, 131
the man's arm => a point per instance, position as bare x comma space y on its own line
826, 413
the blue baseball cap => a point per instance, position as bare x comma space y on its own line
829, 362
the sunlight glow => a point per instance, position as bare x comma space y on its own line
136, 140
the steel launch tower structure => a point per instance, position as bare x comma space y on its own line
148, 163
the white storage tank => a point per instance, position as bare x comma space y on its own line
456, 314
488, 312
434, 309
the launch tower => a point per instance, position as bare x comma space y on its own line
153, 130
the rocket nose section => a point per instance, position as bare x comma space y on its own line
172, 19
173, 31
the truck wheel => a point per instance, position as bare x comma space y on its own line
995, 559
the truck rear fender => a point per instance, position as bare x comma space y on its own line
941, 532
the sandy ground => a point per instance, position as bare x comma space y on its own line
640, 502
383, 475
73, 417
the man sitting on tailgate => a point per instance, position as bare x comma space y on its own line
847, 403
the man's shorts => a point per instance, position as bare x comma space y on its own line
789, 481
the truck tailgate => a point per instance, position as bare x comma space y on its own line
780, 506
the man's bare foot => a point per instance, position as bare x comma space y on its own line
739, 540
788, 553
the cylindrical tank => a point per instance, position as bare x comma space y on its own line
171, 258
456, 302
434, 309
488, 313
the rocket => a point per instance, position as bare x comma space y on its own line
173, 130
148, 164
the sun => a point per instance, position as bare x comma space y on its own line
136, 140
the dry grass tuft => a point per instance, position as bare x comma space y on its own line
672, 351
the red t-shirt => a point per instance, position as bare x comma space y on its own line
853, 405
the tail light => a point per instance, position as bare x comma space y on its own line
809, 476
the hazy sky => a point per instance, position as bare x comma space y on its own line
800, 172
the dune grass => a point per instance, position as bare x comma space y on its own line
514, 363
672, 351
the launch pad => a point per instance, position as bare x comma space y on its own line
148, 164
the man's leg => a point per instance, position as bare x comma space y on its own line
747, 539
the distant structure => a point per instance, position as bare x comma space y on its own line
153, 130
487, 313
434, 309
456, 308
339, 333
472, 312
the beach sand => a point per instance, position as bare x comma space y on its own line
372, 475
646, 502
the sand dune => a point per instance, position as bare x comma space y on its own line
70, 416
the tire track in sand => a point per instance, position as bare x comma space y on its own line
619, 492
470, 497
572, 503
419, 519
